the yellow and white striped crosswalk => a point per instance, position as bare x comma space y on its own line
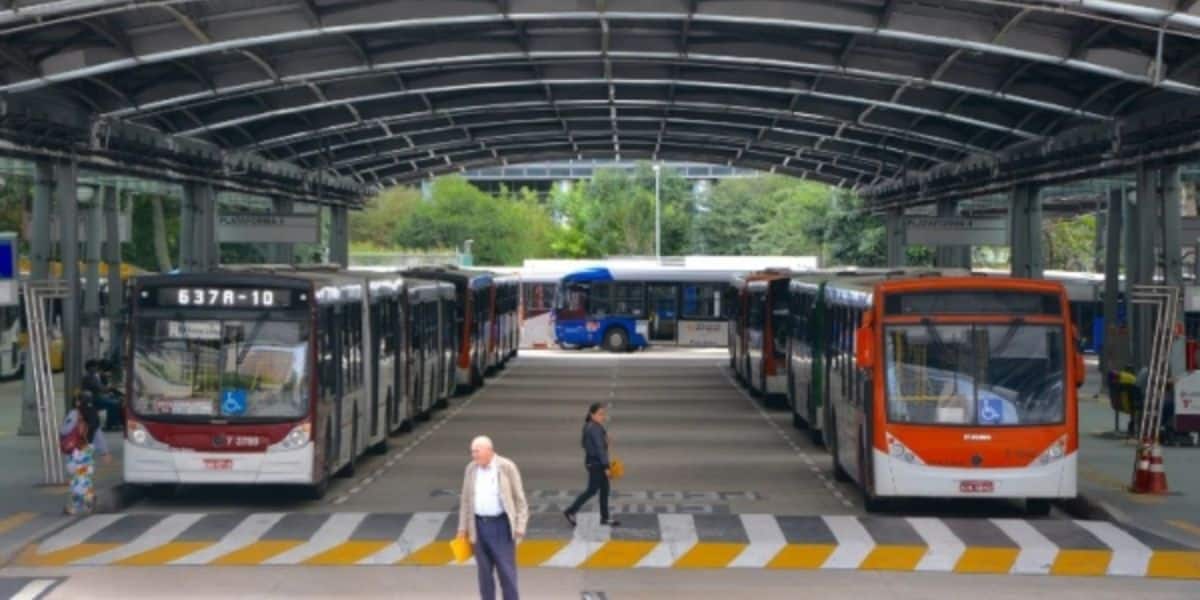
676, 541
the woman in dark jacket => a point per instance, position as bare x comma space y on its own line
595, 458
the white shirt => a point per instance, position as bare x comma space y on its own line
487, 491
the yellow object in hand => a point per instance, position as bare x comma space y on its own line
616, 468
461, 549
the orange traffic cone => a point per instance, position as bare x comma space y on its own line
1150, 476
1141, 473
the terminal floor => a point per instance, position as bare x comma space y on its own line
713, 480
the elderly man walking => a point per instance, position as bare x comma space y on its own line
492, 513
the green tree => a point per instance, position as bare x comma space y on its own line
504, 229
376, 223
140, 250
613, 213
1069, 244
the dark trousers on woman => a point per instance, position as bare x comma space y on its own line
597, 482
495, 555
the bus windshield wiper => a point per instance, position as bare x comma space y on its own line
258, 325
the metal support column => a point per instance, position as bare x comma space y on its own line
90, 319
895, 238
1142, 242
1025, 232
339, 240
66, 195
1171, 189
1115, 352
283, 253
39, 246
950, 257
115, 309
198, 247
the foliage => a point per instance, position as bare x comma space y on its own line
1069, 244
613, 214
140, 249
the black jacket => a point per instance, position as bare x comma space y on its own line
595, 445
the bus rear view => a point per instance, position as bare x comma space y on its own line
221, 381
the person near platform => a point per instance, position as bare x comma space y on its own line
492, 515
102, 395
83, 422
595, 460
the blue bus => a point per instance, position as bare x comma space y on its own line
628, 308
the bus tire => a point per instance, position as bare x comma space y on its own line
316, 491
1037, 507
816, 436
161, 491
616, 340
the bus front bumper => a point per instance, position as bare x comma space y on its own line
895, 477
149, 465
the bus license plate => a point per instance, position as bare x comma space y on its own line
976, 487
218, 464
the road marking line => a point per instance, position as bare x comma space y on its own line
893, 558
1176, 564
678, 534
945, 548
620, 554
420, 530
347, 553
587, 538
161, 533
766, 540
34, 589
710, 555
1081, 563
1129, 556
163, 554
15, 520
854, 543
77, 533
256, 553
981, 559
248, 531
1185, 525
65, 556
532, 553
1037, 551
801, 556
335, 530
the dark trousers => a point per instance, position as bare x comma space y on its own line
496, 555
113, 417
597, 482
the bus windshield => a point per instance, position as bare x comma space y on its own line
220, 369
981, 375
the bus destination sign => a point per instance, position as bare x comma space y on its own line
220, 297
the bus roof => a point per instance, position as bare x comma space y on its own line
657, 273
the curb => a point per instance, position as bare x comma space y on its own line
1089, 507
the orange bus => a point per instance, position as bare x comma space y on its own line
953, 387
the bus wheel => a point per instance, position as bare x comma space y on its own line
616, 340
317, 490
161, 491
1037, 507
816, 437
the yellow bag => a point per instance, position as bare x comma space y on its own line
616, 468
461, 549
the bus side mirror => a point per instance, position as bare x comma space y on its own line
864, 347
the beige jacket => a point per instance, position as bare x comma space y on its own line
512, 498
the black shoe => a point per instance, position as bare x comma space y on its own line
611, 523
570, 518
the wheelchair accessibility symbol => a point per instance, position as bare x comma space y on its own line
233, 402
991, 411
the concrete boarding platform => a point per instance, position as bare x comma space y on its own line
675, 541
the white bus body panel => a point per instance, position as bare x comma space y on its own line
895, 477
146, 465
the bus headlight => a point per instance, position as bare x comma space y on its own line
138, 435
1055, 452
899, 451
298, 437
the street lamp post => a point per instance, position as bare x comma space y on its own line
657, 216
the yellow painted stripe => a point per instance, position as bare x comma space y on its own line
348, 553
532, 553
894, 558
618, 554
1081, 563
14, 521
434, 554
256, 553
802, 556
67, 555
710, 555
1186, 526
163, 554
987, 560
1182, 564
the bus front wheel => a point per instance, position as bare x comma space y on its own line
616, 340
1037, 507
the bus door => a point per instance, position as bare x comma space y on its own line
664, 311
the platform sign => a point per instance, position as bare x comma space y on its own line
956, 231
10, 276
1187, 403
278, 229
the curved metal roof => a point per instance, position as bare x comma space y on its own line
853, 92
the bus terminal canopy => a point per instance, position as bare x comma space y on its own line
893, 97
